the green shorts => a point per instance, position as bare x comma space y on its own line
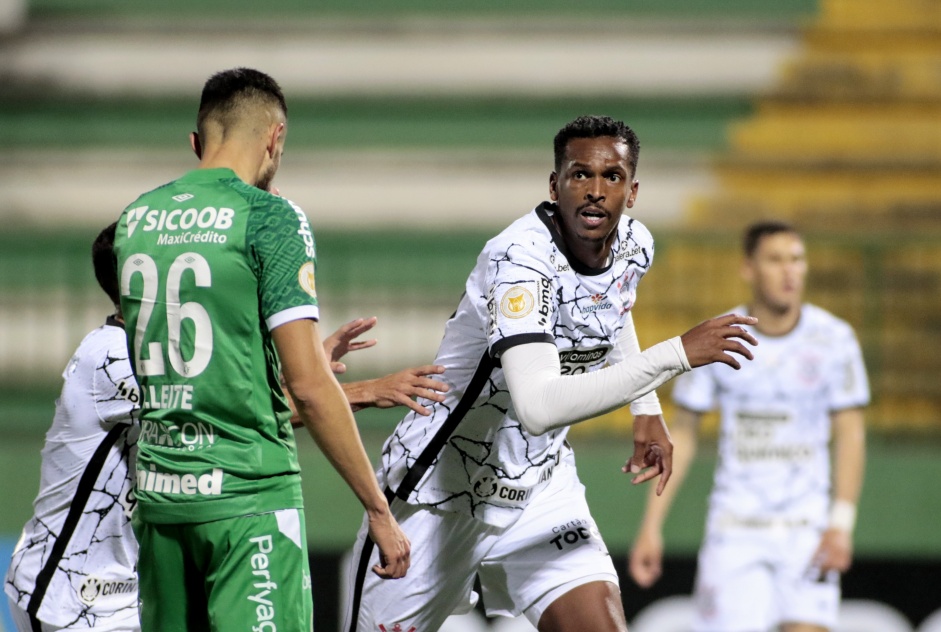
244, 573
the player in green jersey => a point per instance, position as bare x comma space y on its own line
218, 292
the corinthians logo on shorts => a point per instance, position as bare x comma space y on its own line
485, 487
93, 588
517, 302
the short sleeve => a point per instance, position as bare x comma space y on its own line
849, 387
114, 389
695, 390
281, 244
520, 307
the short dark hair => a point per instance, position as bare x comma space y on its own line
226, 90
591, 126
106, 262
765, 228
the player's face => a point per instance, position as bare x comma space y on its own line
592, 188
776, 271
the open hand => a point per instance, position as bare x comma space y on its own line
714, 340
342, 341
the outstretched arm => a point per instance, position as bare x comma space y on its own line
323, 409
398, 389
545, 399
646, 557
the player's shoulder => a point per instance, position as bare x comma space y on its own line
529, 231
634, 229
103, 346
823, 322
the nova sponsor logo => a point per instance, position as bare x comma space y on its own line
179, 219
93, 588
265, 610
208, 484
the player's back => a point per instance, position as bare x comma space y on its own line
196, 260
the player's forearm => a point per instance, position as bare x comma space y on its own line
545, 400
325, 412
323, 408
849, 450
628, 345
685, 441
359, 394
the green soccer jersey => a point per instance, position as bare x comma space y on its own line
208, 266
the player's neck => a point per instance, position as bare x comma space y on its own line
773, 321
592, 254
235, 157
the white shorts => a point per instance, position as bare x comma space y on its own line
23, 624
553, 548
753, 579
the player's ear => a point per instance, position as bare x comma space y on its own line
275, 134
633, 195
194, 143
554, 186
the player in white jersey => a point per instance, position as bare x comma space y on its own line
778, 534
74, 566
487, 485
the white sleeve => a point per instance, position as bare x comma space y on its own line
626, 346
545, 400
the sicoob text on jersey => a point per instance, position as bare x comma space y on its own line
182, 226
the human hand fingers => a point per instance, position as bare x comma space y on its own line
644, 569
394, 553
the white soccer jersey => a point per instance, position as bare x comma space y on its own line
74, 566
775, 428
472, 455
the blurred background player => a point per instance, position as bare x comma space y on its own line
75, 564
778, 532
488, 485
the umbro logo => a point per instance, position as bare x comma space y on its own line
396, 628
